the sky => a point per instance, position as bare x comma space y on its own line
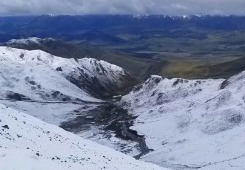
148, 7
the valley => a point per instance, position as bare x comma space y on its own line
66, 97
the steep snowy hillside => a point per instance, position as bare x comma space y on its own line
191, 124
40, 76
29, 144
28, 75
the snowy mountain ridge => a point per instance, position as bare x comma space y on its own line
191, 124
38, 75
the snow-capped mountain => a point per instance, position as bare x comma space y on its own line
191, 124
27, 143
29, 40
36, 75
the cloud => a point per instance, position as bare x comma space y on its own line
80, 7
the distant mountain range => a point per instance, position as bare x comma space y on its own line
105, 27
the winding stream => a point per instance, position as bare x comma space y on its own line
110, 118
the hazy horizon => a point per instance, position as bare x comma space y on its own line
117, 7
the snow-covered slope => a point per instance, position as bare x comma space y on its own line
38, 75
27, 143
191, 124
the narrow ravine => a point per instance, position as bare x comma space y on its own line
140, 139
110, 118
